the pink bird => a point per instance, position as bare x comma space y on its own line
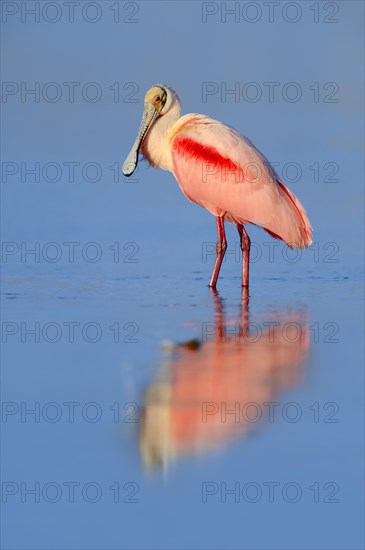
221, 170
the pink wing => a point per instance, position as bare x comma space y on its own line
219, 169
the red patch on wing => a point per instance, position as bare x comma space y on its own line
193, 149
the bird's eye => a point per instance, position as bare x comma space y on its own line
158, 99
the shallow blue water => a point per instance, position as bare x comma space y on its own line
119, 279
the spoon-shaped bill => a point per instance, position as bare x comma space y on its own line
149, 116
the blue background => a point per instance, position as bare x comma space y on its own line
164, 290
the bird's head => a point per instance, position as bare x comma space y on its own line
157, 102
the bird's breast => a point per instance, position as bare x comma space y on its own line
157, 151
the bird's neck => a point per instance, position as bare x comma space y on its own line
156, 145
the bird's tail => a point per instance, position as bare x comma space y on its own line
296, 228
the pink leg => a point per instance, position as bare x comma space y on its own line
245, 247
221, 250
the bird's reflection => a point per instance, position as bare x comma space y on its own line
218, 387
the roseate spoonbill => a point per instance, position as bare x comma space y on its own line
221, 170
